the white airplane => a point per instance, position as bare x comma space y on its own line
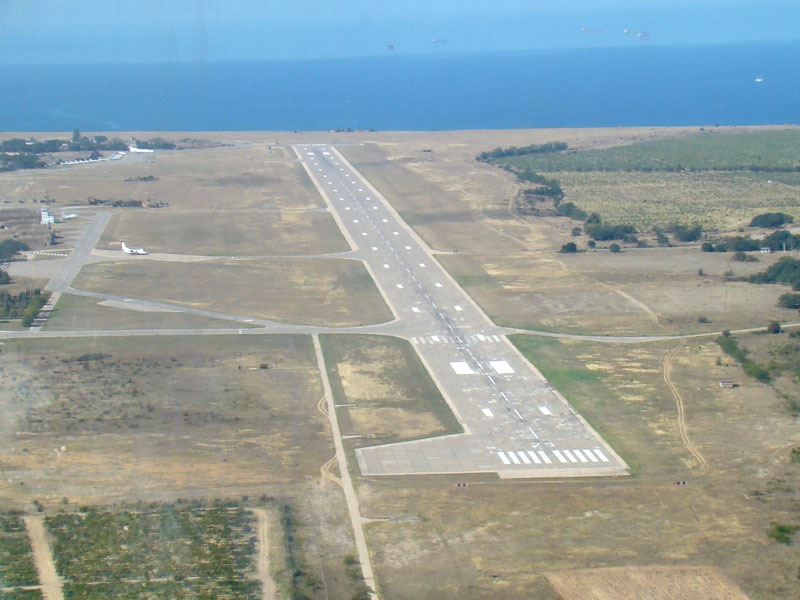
141, 150
127, 250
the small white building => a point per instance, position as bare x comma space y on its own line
47, 218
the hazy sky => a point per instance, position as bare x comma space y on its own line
56, 31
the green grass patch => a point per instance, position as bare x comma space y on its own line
583, 388
782, 534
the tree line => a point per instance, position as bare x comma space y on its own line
25, 305
521, 151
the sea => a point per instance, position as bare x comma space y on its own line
600, 87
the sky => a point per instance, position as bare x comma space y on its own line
120, 31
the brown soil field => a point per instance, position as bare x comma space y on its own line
73, 313
110, 420
226, 233
497, 538
386, 392
315, 291
638, 291
645, 583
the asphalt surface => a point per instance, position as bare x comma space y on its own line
71, 265
515, 423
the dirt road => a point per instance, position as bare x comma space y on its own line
43, 558
701, 462
267, 584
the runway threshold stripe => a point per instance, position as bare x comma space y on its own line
559, 456
523, 457
591, 456
513, 457
580, 456
600, 455
534, 458
504, 458
544, 456
571, 458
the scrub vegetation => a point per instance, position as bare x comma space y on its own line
16, 560
184, 550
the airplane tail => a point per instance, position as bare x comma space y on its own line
124, 247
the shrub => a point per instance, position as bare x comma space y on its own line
789, 300
786, 270
706, 247
603, 233
771, 220
782, 533
569, 248
774, 327
568, 209
615, 248
687, 234
576, 231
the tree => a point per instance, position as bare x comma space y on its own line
789, 301
76, 136
592, 219
576, 231
774, 327
569, 248
615, 248
687, 234
771, 220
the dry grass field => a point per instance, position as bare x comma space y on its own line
499, 539
315, 291
385, 392
115, 421
230, 178
717, 201
109, 420
645, 583
226, 233
638, 291
453, 205
73, 313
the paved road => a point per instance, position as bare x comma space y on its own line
515, 423
80, 253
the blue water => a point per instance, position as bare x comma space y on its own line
642, 85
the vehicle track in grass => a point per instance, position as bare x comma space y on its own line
667, 369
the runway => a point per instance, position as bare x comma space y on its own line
515, 423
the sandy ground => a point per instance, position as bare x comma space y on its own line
267, 584
43, 558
